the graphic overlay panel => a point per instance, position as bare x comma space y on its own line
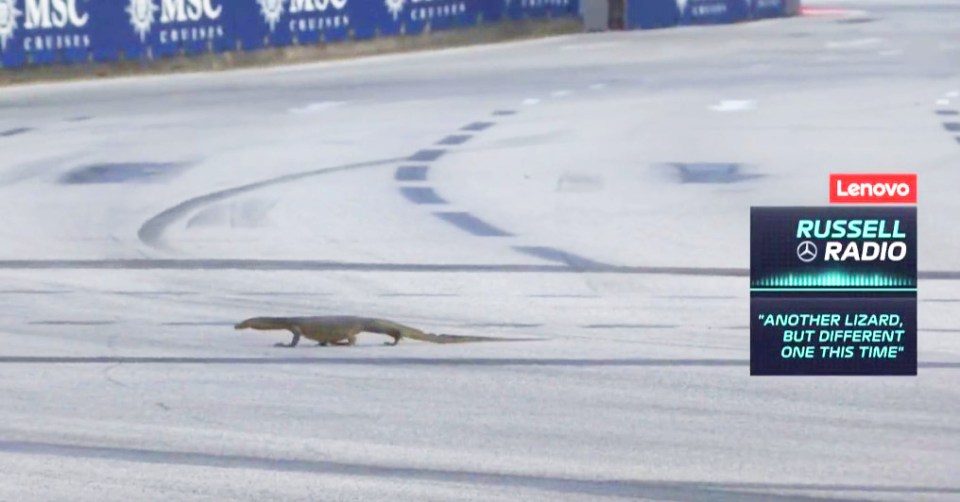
833, 290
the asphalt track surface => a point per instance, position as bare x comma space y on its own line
553, 190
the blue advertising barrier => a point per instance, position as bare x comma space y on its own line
647, 14
45, 32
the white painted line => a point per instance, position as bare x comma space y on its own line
598, 87
316, 107
531, 101
560, 94
734, 105
953, 94
892, 52
815, 11
588, 47
943, 102
860, 42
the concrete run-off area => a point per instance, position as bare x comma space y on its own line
588, 194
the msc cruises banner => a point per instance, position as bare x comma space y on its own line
40, 32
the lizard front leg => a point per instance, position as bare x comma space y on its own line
293, 343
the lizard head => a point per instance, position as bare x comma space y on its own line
259, 323
253, 323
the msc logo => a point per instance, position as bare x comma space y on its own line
39, 15
171, 11
8, 21
272, 10
141, 16
395, 7
53, 14
807, 251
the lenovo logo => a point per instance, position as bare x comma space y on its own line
873, 188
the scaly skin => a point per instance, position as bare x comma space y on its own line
343, 330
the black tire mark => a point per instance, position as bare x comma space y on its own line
151, 232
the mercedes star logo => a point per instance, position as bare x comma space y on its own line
807, 251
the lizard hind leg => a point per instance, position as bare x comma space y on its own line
350, 340
395, 334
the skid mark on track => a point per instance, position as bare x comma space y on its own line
151, 293
712, 172
72, 323
34, 292
630, 326
316, 357
122, 172
455, 139
426, 155
472, 224
151, 232
501, 325
552, 254
198, 323
418, 295
562, 295
280, 293
307, 265
14, 132
652, 489
477, 126
468, 222
108, 376
411, 173
950, 127
699, 297
421, 195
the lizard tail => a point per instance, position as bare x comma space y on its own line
398, 330
444, 338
